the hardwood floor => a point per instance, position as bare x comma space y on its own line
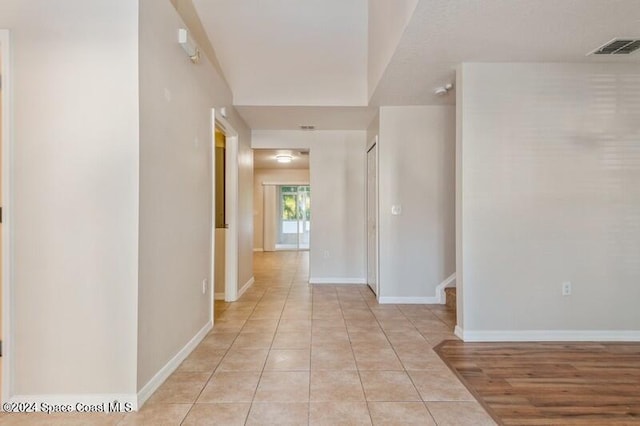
550, 383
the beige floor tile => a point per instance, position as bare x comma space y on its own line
260, 326
180, 388
279, 414
337, 386
368, 336
217, 414
292, 340
376, 359
157, 414
328, 359
60, 419
288, 360
439, 385
396, 325
400, 413
244, 360
253, 341
388, 386
230, 386
330, 338
360, 314
459, 414
218, 341
295, 325
339, 413
283, 386
413, 336
202, 360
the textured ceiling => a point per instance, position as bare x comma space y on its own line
444, 33
292, 62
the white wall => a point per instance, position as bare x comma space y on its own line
176, 98
549, 192
337, 172
245, 198
75, 184
387, 22
417, 172
261, 176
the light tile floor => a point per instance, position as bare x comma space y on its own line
291, 353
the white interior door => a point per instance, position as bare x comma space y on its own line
372, 218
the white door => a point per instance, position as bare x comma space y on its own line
372, 218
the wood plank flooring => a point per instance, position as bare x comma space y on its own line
550, 383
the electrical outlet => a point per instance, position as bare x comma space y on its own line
566, 288
205, 284
326, 254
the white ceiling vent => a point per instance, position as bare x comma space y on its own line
618, 46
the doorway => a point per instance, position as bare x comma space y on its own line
5, 228
372, 217
224, 211
294, 217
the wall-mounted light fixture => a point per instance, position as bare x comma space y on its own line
284, 158
441, 91
189, 46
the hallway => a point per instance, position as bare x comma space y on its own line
291, 353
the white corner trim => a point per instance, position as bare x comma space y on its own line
258, 249
408, 300
449, 282
220, 296
109, 403
459, 332
162, 375
337, 281
549, 335
246, 286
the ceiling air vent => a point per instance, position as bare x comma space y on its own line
618, 46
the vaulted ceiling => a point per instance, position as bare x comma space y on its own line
278, 55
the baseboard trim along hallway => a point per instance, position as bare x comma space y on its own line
172, 365
548, 335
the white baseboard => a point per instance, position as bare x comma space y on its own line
409, 300
258, 249
449, 282
246, 286
162, 375
337, 280
108, 403
549, 335
218, 296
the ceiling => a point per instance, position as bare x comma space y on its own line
266, 159
444, 33
290, 52
292, 62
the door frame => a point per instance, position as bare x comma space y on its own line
373, 145
7, 235
231, 209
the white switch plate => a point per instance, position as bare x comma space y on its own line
566, 288
396, 209
205, 284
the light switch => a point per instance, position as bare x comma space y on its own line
396, 209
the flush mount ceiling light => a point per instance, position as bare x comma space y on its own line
284, 158
188, 45
441, 91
